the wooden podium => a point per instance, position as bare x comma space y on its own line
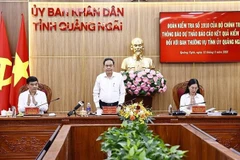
79, 142
39, 129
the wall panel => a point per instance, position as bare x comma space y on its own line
70, 61
11, 12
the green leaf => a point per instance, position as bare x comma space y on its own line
99, 138
174, 148
122, 143
142, 155
131, 151
128, 142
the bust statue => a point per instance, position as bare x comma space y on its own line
137, 62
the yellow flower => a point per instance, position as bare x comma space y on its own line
136, 112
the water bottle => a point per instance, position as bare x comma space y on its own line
88, 108
14, 112
170, 109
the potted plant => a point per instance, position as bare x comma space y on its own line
133, 140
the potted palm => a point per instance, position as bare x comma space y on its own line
133, 140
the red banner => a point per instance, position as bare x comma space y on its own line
5, 67
199, 37
20, 70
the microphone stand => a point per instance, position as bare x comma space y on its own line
192, 104
73, 112
79, 105
128, 102
47, 102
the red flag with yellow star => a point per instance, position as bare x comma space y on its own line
20, 70
5, 67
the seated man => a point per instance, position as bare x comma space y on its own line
32, 97
137, 62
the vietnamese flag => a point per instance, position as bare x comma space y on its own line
20, 70
5, 67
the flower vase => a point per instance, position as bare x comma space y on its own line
147, 100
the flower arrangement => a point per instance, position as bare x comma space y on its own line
144, 83
133, 139
135, 112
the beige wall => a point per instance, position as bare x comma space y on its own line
70, 61
11, 12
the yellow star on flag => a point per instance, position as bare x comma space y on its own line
19, 69
4, 62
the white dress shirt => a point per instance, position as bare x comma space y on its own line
109, 89
186, 100
40, 98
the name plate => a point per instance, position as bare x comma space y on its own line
198, 109
109, 109
31, 110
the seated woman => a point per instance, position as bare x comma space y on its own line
191, 97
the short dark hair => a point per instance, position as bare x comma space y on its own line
191, 82
107, 59
32, 79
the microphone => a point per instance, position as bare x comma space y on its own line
49, 102
192, 104
80, 103
229, 112
179, 113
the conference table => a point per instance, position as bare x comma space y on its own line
24, 137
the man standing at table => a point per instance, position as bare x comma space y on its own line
109, 89
32, 97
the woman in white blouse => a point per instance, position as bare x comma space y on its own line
191, 96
